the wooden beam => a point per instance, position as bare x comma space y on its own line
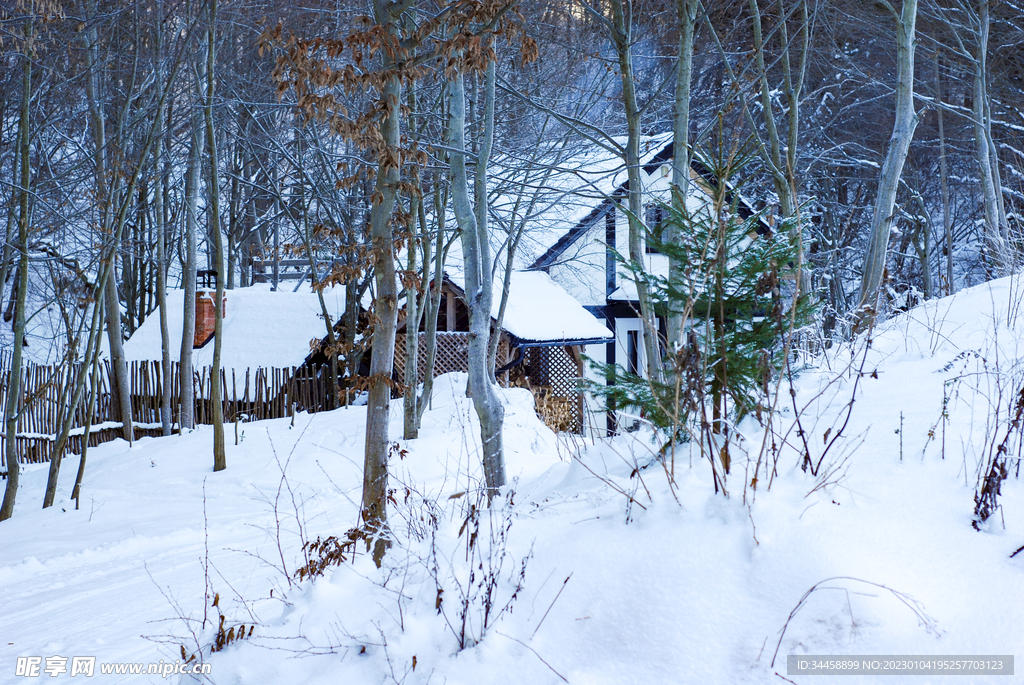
576, 352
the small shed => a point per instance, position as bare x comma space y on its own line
543, 335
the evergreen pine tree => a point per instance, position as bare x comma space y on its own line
736, 292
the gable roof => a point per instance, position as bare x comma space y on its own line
552, 189
698, 171
599, 212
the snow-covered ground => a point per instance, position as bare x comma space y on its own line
626, 579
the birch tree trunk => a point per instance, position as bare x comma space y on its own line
892, 167
991, 190
476, 253
216, 391
486, 273
186, 391
947, 219
14, 379
687, 12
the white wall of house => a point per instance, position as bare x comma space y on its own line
581, 268
594, 417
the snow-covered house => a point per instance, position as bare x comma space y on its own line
266, 337
543, 336
573, 234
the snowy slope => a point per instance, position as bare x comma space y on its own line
681, 586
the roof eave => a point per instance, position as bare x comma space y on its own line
521, 342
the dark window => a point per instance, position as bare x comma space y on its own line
633, 352
655, 215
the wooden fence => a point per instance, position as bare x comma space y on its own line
262, 393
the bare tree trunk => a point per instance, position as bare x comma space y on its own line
120, 386
186, 398
92, 350
417, 296
991, 190
892, 167
621, 28
783, 170
76, 492
687, 12
382, 358
947, 219
332, 339
413, 307
922, 239
476, 252
417, 302
433, 305
774, 152
160, 218
216, 391
484, 240
7, 253
14, 379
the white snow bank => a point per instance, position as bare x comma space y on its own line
115, 579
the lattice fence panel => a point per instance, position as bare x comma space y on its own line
452, 355
553, 376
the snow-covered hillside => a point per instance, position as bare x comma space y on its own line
599, 570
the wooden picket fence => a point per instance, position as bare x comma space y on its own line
261, 393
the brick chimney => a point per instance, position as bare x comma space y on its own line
206, 316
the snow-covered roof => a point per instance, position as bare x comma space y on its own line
564, 200
261, 328
540, 310
561, 190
